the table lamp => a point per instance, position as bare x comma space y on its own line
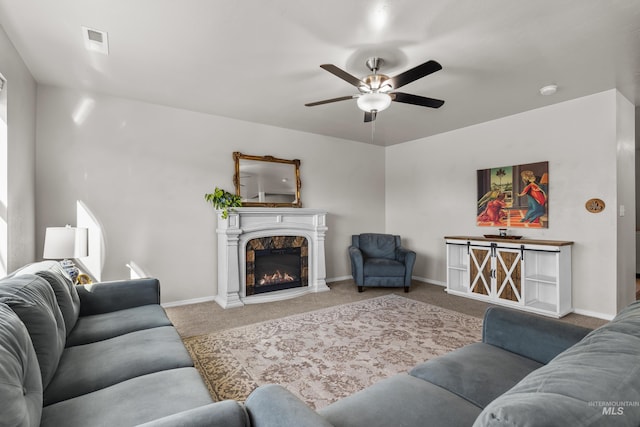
64, 243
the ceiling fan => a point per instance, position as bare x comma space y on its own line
378, 90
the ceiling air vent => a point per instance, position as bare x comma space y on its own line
96, 40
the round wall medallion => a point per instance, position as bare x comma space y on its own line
594, 205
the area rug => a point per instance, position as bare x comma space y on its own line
324, 355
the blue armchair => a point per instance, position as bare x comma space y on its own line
379, 260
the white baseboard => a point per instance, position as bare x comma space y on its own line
593, 314
338, 279
430, 281
187, 302
419, 279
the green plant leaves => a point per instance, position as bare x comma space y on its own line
221, 199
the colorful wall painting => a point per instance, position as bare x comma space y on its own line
514, 196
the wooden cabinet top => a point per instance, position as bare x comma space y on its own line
522, 241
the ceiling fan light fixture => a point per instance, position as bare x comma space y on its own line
386, 88
374, 102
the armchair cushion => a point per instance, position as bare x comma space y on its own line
383, 267
375, 245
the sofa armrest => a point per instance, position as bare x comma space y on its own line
105, 297
357, 265
272, 405
408, 258
532, 336
227, 413
403, 253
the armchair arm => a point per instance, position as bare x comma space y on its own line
536, 337
227, 413
272, 405
409, 259
357, 265
105, 297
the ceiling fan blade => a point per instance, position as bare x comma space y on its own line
343, 75
327, 101
423, 101
369, 116
415, 73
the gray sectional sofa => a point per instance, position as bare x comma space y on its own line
107, 355
96, 355
527, 371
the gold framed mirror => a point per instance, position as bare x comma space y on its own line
267, 181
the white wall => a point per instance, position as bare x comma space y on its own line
637, 191
142, 170
21, 115
431, 188
626, 251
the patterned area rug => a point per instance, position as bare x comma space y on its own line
325, 355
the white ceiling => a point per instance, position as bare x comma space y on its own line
258, 60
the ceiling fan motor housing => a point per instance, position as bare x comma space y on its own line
376, 83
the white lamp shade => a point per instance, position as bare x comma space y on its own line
65, 242
374, 102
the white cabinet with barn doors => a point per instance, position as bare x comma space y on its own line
531, 275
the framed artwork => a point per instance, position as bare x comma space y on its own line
514, 196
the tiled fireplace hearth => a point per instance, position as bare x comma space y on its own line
270, 254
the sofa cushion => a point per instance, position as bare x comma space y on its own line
227, 413
274, 405
106, 297
62, 286
20, 380
90, 367
402, 400
595, 382
535, 337
103, 326
375, 245
132, 402
382, 267
478, 372
33, 300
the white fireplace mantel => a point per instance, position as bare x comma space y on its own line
244, 224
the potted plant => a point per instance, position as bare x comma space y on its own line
221, 199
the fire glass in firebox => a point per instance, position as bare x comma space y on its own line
277, 269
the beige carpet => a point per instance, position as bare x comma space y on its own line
327, 354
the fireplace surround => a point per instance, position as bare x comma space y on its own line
247, 230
